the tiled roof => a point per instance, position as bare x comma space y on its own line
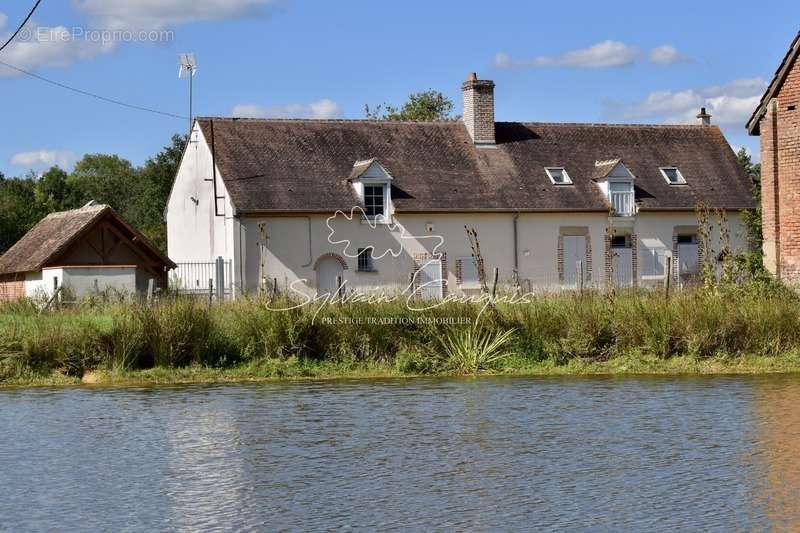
303, 165
54, 234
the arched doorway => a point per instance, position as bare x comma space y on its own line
330, 270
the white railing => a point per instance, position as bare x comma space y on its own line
622, 203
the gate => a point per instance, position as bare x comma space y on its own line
203, 279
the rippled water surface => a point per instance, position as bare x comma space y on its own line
717, 453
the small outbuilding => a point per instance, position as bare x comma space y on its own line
84, 251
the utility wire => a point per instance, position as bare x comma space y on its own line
67, 87
93, 95
30, 14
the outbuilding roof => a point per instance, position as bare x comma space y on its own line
278, 166
53, 236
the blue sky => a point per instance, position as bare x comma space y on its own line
552, 61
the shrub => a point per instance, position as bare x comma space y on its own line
468, 351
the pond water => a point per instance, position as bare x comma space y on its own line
715, 453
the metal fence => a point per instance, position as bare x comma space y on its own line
212, 279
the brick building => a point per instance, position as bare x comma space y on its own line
777, 121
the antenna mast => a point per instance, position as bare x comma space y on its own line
189, 65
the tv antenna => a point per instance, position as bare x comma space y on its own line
188, 65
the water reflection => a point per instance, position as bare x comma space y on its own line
483, 454
776, 409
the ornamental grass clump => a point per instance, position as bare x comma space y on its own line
471, 350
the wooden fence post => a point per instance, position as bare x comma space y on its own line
667, 275
151, 283
210, 290
220, 268
579, 273
494, 281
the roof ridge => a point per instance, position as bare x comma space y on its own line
446, 122
612, 125
84, 209
331, 120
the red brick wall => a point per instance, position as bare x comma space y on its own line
11, 290
780, 179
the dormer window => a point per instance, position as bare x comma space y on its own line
616, 182
372, 184
374, 200
558, 175
672, 175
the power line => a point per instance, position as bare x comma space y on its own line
73, 89
30, 14
93, 95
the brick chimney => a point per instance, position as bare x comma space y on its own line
705, 118
479, 110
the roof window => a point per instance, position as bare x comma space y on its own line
558, 175
672, 175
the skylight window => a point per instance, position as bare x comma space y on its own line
558, 175
672, 175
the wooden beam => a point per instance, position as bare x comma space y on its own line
135, 249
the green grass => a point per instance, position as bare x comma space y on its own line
731, 330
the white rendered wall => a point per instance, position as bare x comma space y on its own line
194, 232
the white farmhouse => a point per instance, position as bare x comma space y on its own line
552, 204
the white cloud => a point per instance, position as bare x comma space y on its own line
601, 55
665, 55
43, 46
604, 54
44, 159
158, 14
731, 103
324, 108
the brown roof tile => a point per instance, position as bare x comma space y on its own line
303, 165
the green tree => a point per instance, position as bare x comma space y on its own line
139, 194
107, 179
752, 219
52, 192
18, 210
427, 106
146, 209
751, 263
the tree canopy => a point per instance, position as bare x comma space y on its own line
139, 194
426, 106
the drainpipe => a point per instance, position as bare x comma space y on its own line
241, 290
310, 251
516, 249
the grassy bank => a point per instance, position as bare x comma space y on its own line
736, 330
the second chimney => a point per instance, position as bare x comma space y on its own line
479, 110
705, 118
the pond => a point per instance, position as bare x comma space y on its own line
719, 453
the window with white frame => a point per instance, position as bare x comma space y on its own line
672, 175
365, 260
558, 175
470, 278
374, 204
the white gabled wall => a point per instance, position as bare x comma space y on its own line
194, 232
